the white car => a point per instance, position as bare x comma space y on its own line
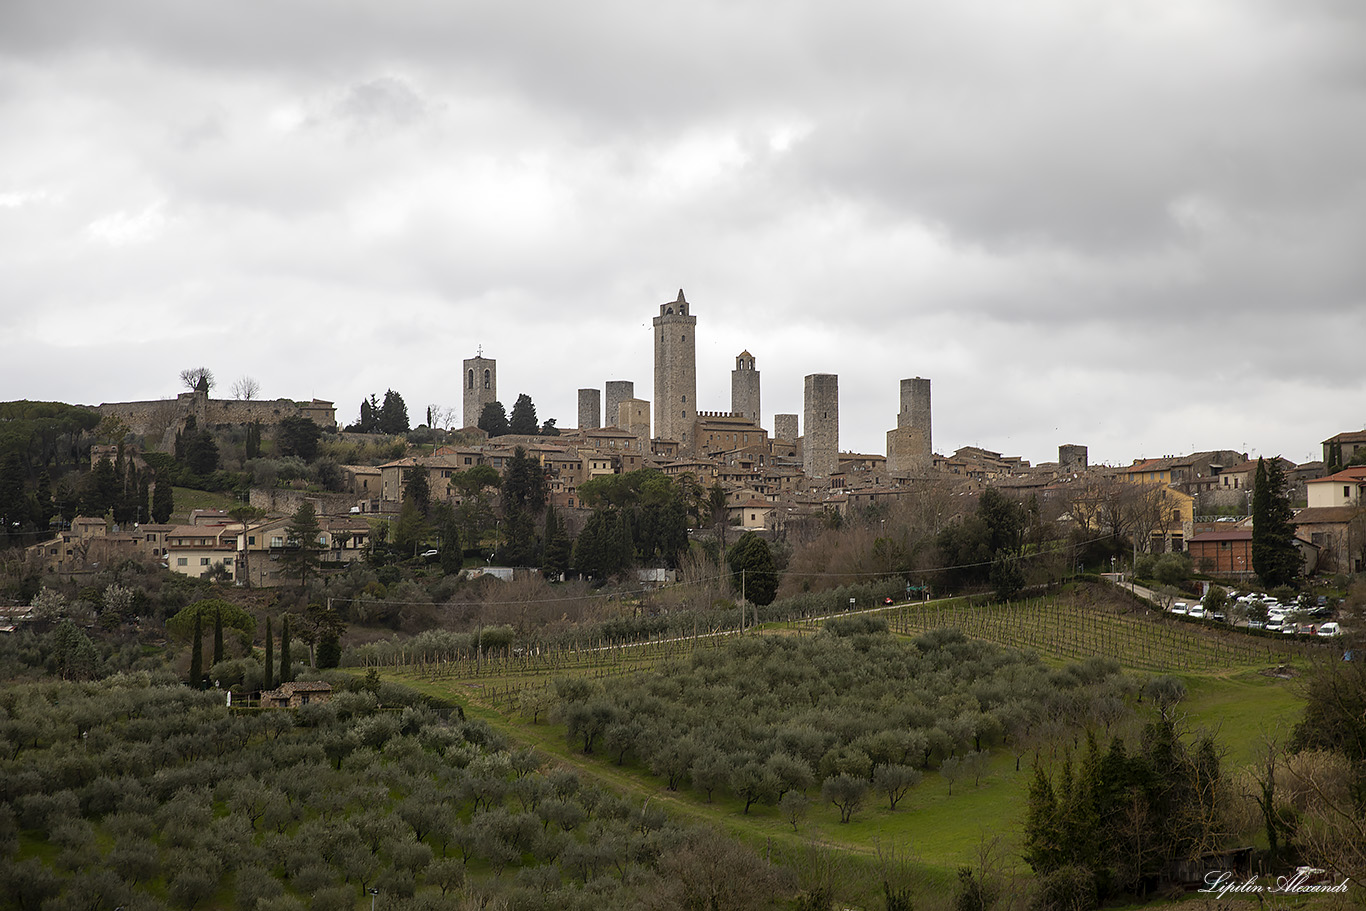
1180, 607
1197, 611
1330, 628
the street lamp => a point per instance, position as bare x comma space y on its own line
373, 894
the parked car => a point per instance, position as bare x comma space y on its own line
1218, 615
1180, 607
1255, 624
1274, 624
1330, 628
1197, 611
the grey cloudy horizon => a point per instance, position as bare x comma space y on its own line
1134, 226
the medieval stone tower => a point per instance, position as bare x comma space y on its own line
675, 372
481, 386
618, 391
785, 427
590, 409
909, 447
744, 387
1072, 457
821, 443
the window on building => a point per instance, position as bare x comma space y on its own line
471, 379
277, 541
182, 561
1346, 492
203, 561
488, 380
251, 540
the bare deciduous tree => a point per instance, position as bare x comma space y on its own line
195, 377
245, 388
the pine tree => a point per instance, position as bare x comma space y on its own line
268, 672
301, 535
393, 414
284, 650
523, 417
493, 420
197, 653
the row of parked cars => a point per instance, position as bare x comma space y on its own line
1277, 614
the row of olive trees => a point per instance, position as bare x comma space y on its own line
114, 792
856, 714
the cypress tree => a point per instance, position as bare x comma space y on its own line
284, 649
1275, 558
268, 681
217, 636
163, 503
197, 653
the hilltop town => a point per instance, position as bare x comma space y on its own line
756, 478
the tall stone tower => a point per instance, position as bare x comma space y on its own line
821, 443
590, 409
785, 427
618, 391
744, 387
910, 450
633, 416
1072, 457
675, 372
481, 386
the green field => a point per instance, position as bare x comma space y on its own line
187, 499
1229, 692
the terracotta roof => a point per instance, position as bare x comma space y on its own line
1355, 473
1231, 534
1328, 515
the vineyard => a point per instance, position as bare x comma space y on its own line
1139, 639
1055, 628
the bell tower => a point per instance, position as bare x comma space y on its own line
675, 372
480, 381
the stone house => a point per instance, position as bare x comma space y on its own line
1341, 448
1340, 534
295, 694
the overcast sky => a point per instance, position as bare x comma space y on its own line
1138, 226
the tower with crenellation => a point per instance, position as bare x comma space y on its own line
675, 401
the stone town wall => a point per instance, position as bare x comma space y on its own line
161, 419
284, 501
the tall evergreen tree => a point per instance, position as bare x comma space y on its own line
417, 491
556, 544
217, 637
752, 568
524, 484
302, 550
1275, 557
268, 670
523, 418
253, 442
393, 414
163, 502
493, 420
197, 653
284, 650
